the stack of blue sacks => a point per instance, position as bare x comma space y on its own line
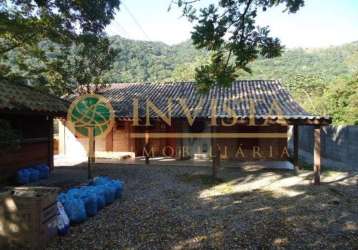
33, 174
85, 201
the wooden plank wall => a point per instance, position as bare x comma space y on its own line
253, 148
26, 155
157, 146
119, 140
35, 146
122, 142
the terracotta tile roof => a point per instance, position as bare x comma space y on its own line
16, 97
263, 94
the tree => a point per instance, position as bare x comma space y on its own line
25, 23
42, 42
341, 100
80, 67
227, 29
186, 71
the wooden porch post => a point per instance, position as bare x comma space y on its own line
50, 143
91, 151
146, 145
295, 146
317, 155
109, 141
215, 153
182, 142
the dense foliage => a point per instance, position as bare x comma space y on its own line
341, 100
149, 61
55, 45
81, 67
139, 59
25, 23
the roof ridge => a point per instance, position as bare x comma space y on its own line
192, 82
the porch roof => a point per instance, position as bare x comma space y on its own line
267, 98
19, 98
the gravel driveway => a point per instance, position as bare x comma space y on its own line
182, 208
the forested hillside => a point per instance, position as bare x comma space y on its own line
156, 61
149, 61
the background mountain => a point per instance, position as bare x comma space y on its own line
156, 61
149, 61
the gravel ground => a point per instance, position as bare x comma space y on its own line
182, 208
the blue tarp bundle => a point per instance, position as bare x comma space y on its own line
23, 176
75, 210
90, 200
114, 187
86, 201
33, 174
118, 185
44, 171
100, 195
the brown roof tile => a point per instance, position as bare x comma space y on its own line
16, 97
262, 92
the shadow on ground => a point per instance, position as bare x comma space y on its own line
182, 208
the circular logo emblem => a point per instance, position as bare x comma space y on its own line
91, 111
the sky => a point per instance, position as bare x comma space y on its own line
320, 23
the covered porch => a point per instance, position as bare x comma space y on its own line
218, 138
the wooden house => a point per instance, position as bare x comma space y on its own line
246, 121
28, 114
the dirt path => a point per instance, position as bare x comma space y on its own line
181, 208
